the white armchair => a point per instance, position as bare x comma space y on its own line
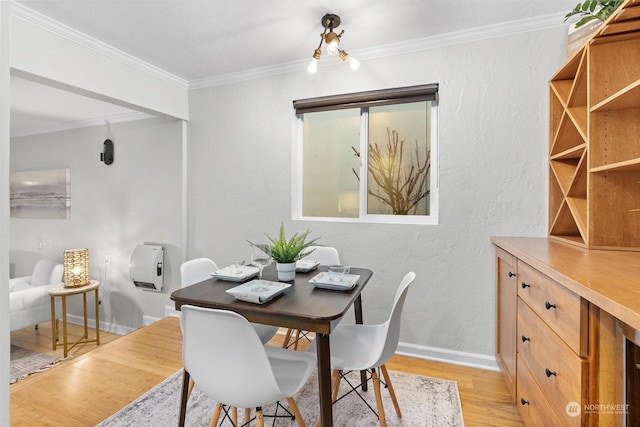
29, 302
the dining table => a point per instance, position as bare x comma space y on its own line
302, 306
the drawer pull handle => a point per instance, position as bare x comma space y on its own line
524, 285
525, 339
524, 402
511, 274
549, 372
549, 305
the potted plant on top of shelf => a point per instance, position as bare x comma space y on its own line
593, 13
593, 10
285, 252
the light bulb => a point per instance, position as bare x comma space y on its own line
332, 40
312, 68
332, 48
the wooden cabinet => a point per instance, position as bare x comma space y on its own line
542, 342
594, 141
506, 314
564, 320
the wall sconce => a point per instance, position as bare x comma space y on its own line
332, 44
76, 268
107, 152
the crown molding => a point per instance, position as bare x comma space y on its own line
26, 14
459, 37
77, 124
20, 11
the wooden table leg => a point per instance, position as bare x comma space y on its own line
184, 397
324, 379
357, 310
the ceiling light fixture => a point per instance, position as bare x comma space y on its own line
332, 44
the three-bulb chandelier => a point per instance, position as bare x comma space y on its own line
332, 43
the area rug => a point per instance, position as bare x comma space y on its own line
423, 401
26, 362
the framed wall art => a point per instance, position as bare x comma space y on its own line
44, 194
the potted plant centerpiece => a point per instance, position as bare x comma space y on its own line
285, 252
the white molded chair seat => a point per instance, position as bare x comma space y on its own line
369, 347
199, 269
325, 255
222, 353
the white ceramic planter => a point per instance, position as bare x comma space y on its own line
286, 271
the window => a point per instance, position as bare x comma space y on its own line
368, 157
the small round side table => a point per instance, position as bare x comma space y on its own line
63, 292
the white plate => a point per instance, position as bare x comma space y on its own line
245, 272
306, 265
347, 282
258, 291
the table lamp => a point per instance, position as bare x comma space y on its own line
76, 267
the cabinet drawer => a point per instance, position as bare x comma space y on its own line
534, 408
565, 312
560, 373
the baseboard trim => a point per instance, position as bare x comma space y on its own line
453, 357
104, 326
435, 354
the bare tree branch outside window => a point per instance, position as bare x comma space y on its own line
399, 184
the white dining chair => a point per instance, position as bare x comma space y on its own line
199, 269
357, 347
222, 353
325, 255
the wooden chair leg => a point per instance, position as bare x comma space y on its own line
234, 415
216, 415
295, 343
287, 338
392, 393
247, 415
259, 417
296, 412
190, 389
376, 388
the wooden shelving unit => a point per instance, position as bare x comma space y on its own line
594, 139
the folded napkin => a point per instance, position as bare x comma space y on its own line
243, 271
248, 297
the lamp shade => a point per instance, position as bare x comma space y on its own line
76, 267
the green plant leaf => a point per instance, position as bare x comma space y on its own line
285, 250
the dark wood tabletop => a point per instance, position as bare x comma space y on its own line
302, 306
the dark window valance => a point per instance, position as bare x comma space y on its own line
428, 92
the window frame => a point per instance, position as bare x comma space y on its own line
363, 101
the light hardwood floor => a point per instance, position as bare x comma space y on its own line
99, 380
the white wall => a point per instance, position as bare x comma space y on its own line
493, 179
53, 53
137, 199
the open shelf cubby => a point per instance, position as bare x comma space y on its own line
594, 139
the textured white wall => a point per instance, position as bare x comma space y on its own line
493, 177
137, 199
